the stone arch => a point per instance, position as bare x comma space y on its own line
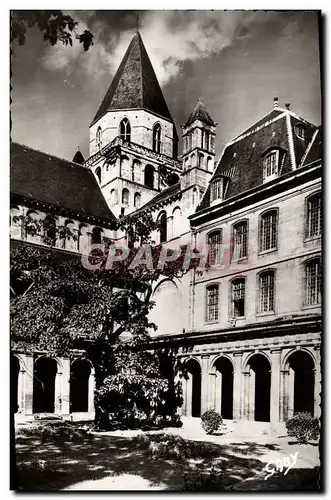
176, 221
98, 174
222, 386
192, 388
113, 196
137, 200
96, 238
125, 167
257, 388
125, 196
15, 225
163, 221
299, 384
166, 313
136, 170
81, 374
45, 370
200, 160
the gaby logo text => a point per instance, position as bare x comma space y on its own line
284, 464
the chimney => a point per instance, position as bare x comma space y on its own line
275, 102
287, 105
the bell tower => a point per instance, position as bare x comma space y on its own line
198, 154
133, 138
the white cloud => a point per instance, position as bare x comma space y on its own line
170, 37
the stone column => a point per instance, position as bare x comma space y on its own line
212, 391
237, 388
58, 390
204, 382
317, 387
65, 386
21, 389
188, 395
290, 393
28, 384
91, 387
275, 386
284, 394
245, 401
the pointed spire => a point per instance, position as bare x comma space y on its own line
78, 158
135, 84
200, 113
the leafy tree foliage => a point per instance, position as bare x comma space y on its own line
66, 307
55, 26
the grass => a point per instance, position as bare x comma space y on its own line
51, 457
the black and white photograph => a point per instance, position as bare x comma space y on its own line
166, 250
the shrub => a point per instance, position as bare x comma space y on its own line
210, 421
303, 426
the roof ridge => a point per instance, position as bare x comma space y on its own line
48, 154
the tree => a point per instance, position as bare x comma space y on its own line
56, 27
105, 312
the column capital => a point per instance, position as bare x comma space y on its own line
276, 350
238, 353
205, 356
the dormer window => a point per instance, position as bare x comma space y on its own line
300, 131
270, 165
218, 188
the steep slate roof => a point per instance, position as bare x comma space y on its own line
242, 159
200, 113
316, 150
54, 181
135, 84
160, 197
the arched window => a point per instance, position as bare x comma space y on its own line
207, 139
113, 196
157, 138
32, 226
98, 139
200, 160
268, 230
125, 196
313, 216
125, 130
210, 166
125, 167
238, 297
70, 235
212, 296
137, 200
96, 236
82, 238
214, 241
15, 222
176, 222
313, 282
267, 291
49, 230
98, 174
239, 241
163, 227
149, 176
136, 170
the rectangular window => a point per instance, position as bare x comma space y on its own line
314, 216
238, 298
212, 303
214, 248
267, 292
239, 244
270, 166
268, 231
216, 190
313, 283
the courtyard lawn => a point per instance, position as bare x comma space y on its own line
62, 457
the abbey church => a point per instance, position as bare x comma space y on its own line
248, 331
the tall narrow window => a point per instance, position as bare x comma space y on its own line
96, 236
214, 247
207, 138
125, 196
300, 131
125, 130
98, 174
239, 243
137, 200
212, 294
268, 231
313, 282
157, 138
267, 291
238, 297
270, 166
313, 217
99, 139
149, 176
163, 227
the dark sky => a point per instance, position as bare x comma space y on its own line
236, 61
